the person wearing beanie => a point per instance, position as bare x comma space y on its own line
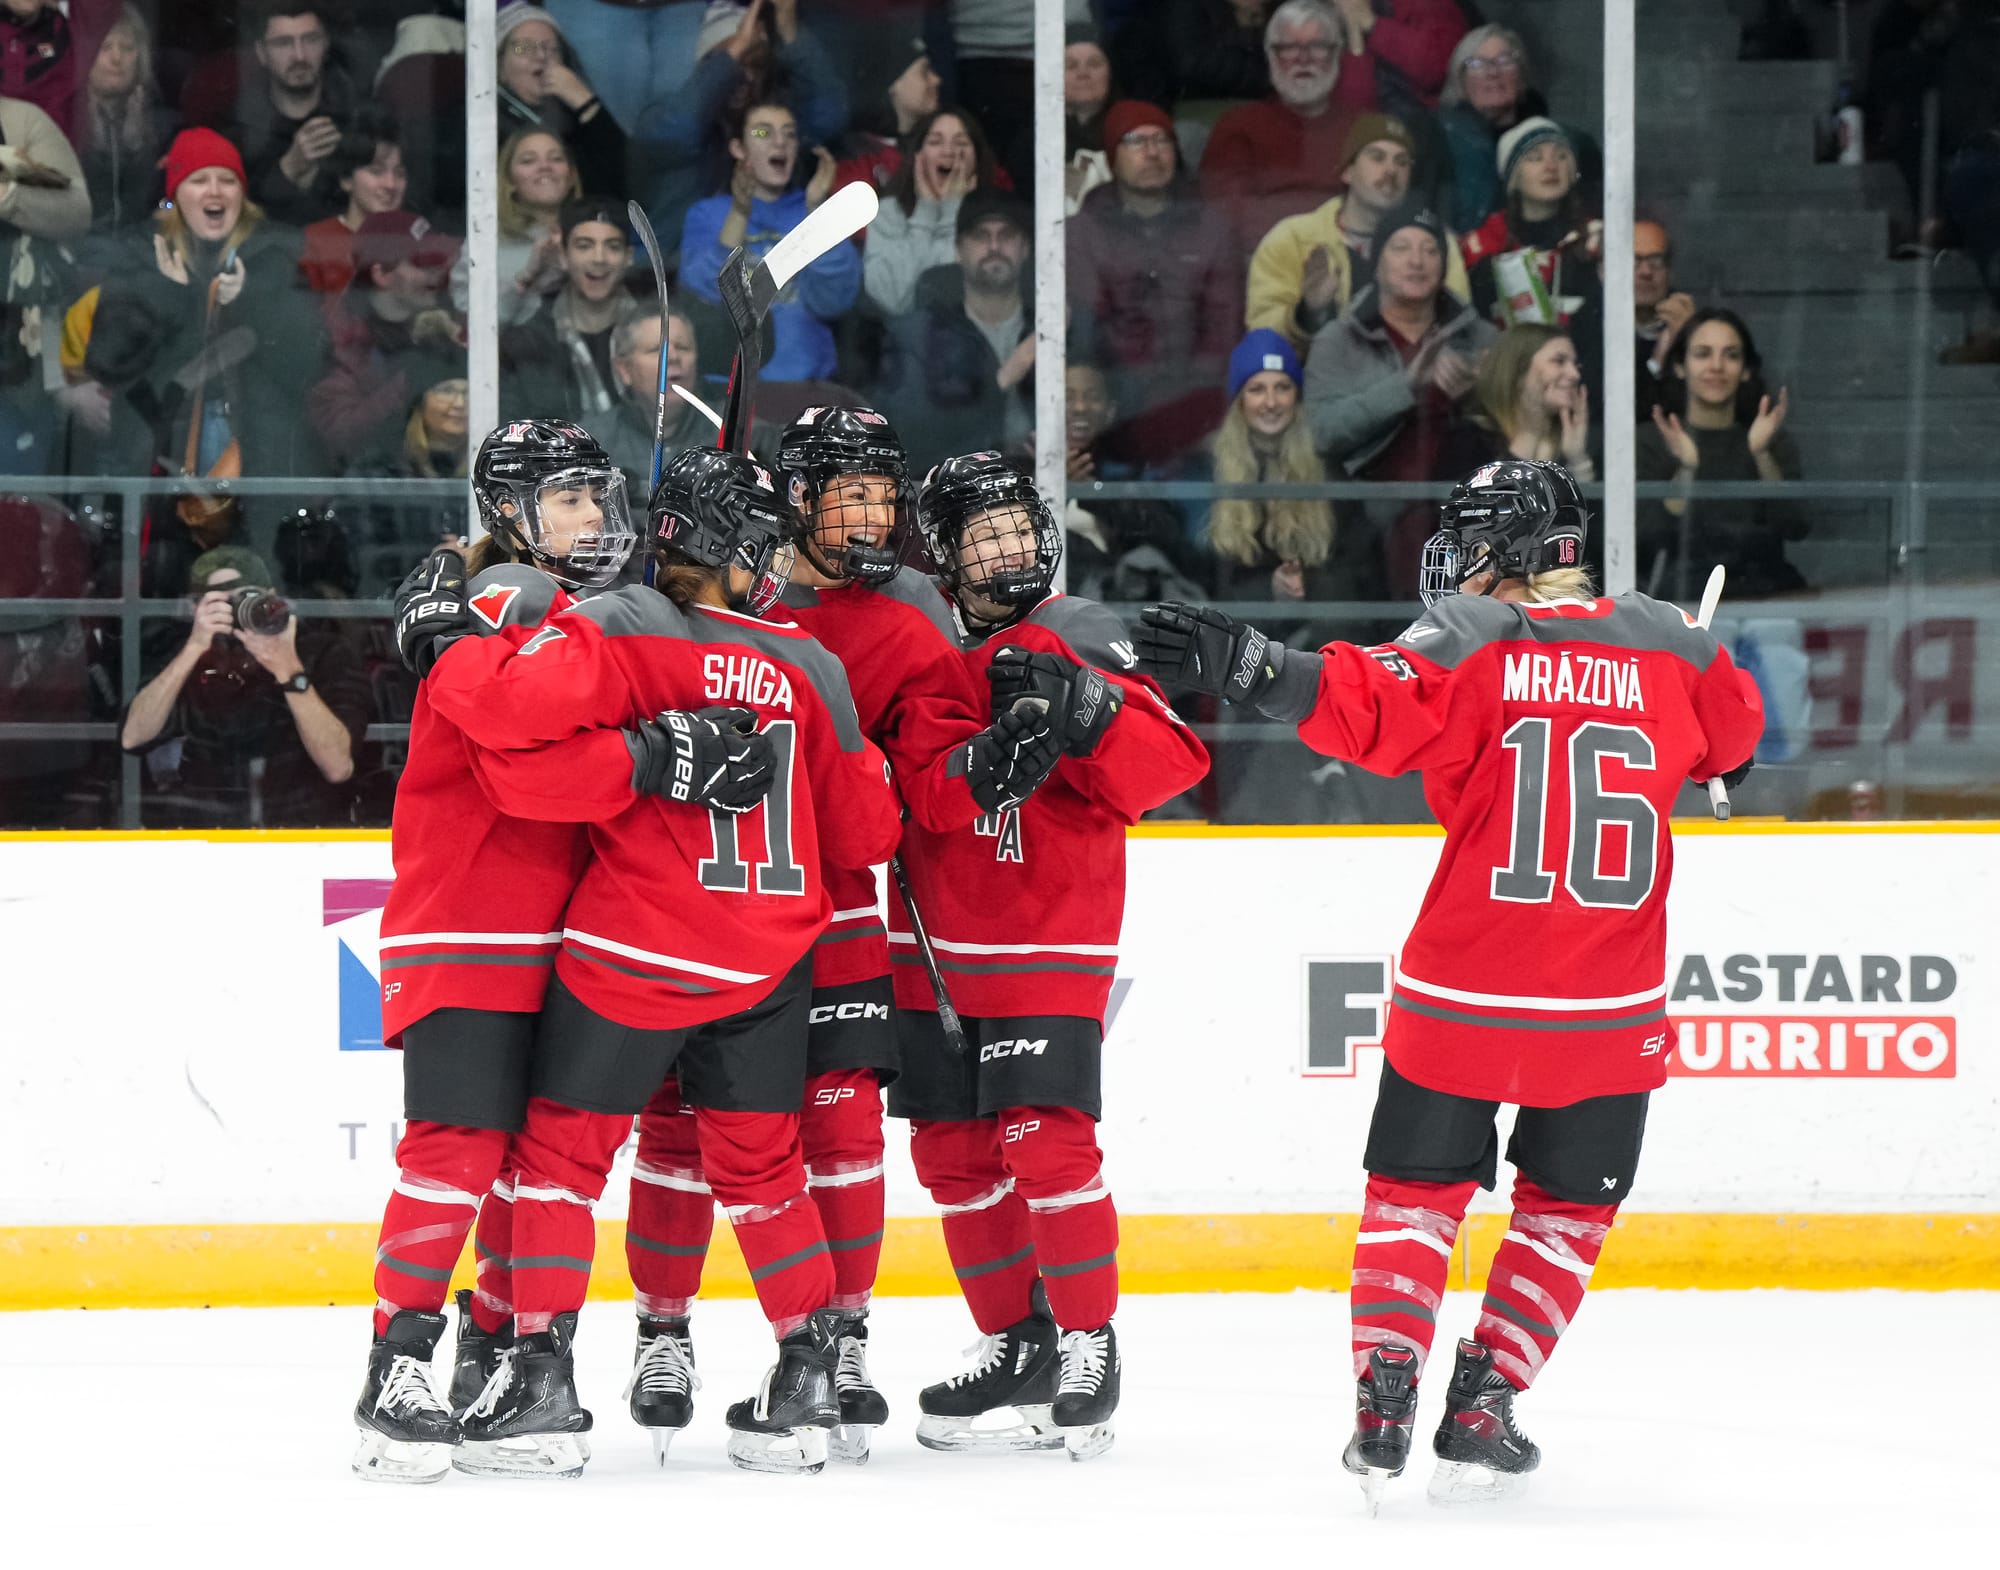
157, 331
1489, 89
1307, 269
1155, 287
959, 371
539, 90
1385, 380
290, 114
242, 729
1536, 259
896, 87
917, 224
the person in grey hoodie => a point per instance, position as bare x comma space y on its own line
1385, 380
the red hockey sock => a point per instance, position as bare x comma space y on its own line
1539, 1275
673, 1212
840, 1134
561, 1158
1402, 1256
444, 1170
985, 1221
1051, 1154
493, 1255
753, 1163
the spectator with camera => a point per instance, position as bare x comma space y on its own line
916, 227
1488, 90
391, 333
541, 91
758, 209
1308, 268
558, 364
247, 721
367, 169
290, 114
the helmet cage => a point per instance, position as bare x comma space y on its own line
820, 529
961, 493
593, 558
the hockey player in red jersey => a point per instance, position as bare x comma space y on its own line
460, 990
1023, 908
1554, 730
893, 632
687, 943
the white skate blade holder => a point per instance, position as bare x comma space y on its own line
556, 1457
1456, 1483
799, 1451
1374, 1481
1017, 1428
663, 1441
380, 1459
1088, 1442
849, 1443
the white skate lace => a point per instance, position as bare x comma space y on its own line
408, 1388
990, 1352
487, 1402
664, 1368
1085, 1355
852, 1371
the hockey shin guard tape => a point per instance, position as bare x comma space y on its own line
673, 1210
1051, 1154
561, 1158
1538, 1278
1402, 1258
753, 1164
840, 1134
443, 1171
493, 1255
985, 1221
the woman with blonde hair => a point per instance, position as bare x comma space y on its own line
122, 127
537, 175
1530, 395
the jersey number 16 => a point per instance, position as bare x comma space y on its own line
1524, 880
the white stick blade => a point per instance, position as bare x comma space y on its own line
687, 397
1711, 596
848, 211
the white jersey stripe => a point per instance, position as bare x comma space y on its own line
665, 961
1008, 948
1509, 1000
410, 939
858, 915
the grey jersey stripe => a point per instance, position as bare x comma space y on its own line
910, 587
1097, 635
1460, 625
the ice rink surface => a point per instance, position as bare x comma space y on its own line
1695, 1430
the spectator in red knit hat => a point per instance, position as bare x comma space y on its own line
45, 55
1155, 287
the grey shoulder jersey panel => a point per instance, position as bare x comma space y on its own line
803, 653
1095, 632
635, 611
509, 594
910, 587
798, 597
1460, 625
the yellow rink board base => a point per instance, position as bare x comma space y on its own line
307, 1263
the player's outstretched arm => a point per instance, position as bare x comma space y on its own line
587, 779
712, 757
1191, 647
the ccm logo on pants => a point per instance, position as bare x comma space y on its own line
827, 1013
1016, 1132
1012, 1049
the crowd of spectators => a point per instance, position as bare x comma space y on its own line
1308, 240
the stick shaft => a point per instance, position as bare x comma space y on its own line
954, 1027
1711, 596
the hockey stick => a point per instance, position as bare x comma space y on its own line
748, 293
651, 241
1711, 596
954, 1027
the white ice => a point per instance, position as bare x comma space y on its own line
1696, 1430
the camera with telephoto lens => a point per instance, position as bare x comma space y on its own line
262, 611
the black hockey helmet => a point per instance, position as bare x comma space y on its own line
719, 510
989, 531
550, 490
820, 448
1514, 518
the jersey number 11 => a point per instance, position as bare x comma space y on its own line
724, 868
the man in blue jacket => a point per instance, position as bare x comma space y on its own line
757, 211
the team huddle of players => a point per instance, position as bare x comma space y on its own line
634, 846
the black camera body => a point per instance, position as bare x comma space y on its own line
262, 611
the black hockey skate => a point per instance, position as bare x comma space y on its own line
862, 1409
407, 1433
1385, 1412
1087, 1393
784, 1427
661, 1389
474, 1357
1481, 1454
528, 1422
1011, 1385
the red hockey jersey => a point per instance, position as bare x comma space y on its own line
683, 915
918, 702
1553, 739
456, 852
1024, 907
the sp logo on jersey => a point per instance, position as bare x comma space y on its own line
833, 1095
490, 604
1016, 1132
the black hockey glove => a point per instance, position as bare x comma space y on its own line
1082, 702
1189, 647
1737, 775
430, 609
714, 757
1006, 762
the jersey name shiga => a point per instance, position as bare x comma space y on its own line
744, 678
1563, 677
1005, 829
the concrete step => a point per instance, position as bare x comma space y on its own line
1700, 234
1670, 86
1688, 32
1795, 179
1869, 438
1712, 138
